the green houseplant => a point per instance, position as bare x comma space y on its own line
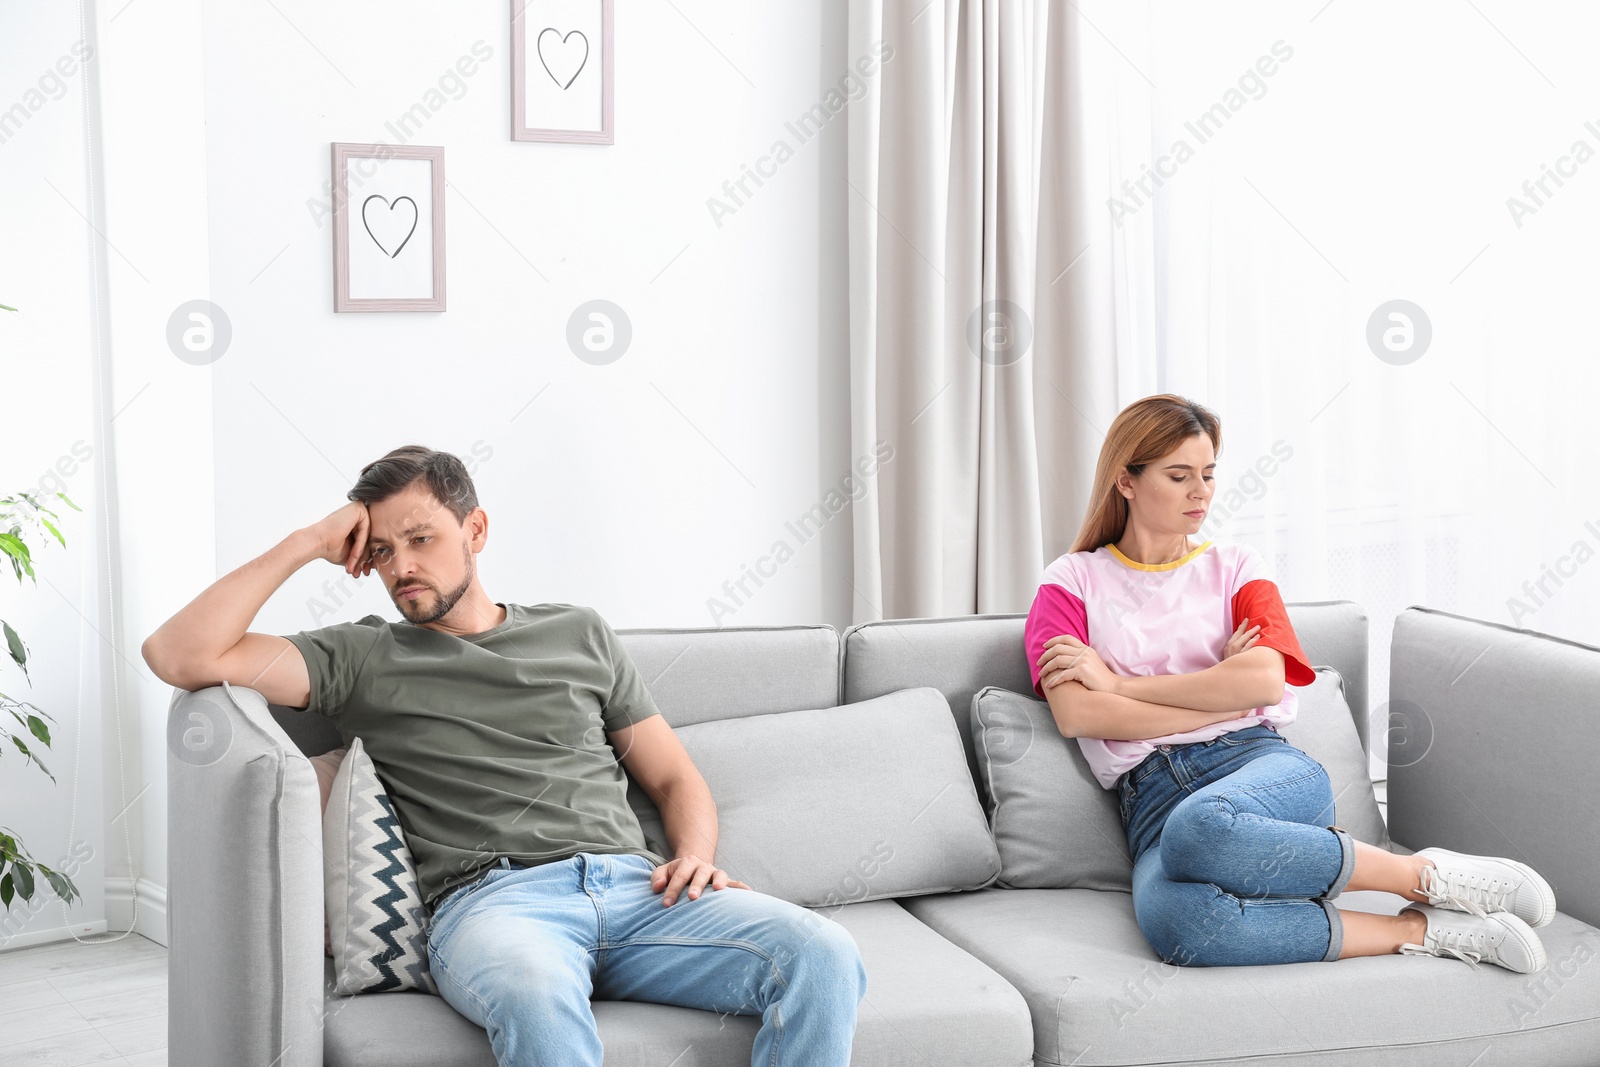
17, 867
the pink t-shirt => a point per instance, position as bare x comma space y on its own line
1167, 618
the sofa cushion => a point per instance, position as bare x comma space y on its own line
326, 764
376, 920
732, 672
843, 804
1100, 995
1333, 633
1325, 730
927, 1004
1054, 825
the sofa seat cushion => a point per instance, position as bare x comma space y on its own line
1100, 995
928, 1004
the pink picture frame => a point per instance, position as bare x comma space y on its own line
549, 52
371, 187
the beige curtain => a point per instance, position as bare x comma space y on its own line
980, 308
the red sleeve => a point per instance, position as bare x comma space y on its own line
1259, 602
1055, 612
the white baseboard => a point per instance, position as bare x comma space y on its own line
45, 937
152, 920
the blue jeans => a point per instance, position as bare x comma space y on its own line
1234, 860
521, 950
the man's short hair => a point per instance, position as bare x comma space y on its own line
444, 474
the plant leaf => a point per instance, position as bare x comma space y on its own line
38, 729
60, 883
15, 740
21, 558
68, 499
48, 525
18, 650
6, 308
24, 880
5, 890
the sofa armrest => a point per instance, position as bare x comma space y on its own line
244, 886
1492, 740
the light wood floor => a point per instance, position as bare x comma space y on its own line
66, 1004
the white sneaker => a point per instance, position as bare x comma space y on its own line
1484, 885
1499, 938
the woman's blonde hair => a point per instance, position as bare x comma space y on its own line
1145, 431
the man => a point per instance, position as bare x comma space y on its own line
497, 729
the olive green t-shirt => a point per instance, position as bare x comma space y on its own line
489, 745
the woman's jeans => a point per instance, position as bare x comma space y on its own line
521, 950
1234, 858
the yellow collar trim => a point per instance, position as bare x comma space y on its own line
1156, 566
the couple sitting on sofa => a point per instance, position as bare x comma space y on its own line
499, 729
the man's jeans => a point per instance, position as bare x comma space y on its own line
522, 949
1234, 858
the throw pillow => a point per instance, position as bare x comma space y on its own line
375, 909
836, 805
1055, 826
327, 767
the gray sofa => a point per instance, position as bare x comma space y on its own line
1499, 730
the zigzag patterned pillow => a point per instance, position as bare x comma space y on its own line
376, 920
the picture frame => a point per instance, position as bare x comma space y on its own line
380, 263
560, 92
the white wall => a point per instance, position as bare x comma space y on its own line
639, 487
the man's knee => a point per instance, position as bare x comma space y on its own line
817, 947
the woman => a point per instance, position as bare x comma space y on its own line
1167, 658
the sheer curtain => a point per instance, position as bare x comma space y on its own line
1377, 162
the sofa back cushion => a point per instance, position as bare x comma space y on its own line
1055, 827
1333, 633
704, 675
835, 805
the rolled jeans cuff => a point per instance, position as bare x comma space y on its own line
1347, 865
1335, 931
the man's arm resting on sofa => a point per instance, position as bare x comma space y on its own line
655, 758
206, 643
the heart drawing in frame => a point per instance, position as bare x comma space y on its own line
563, 55
390, 223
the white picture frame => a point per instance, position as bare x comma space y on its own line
562, 71
388, 232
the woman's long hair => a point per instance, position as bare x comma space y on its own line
1145, 431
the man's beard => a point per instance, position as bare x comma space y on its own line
448, 600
